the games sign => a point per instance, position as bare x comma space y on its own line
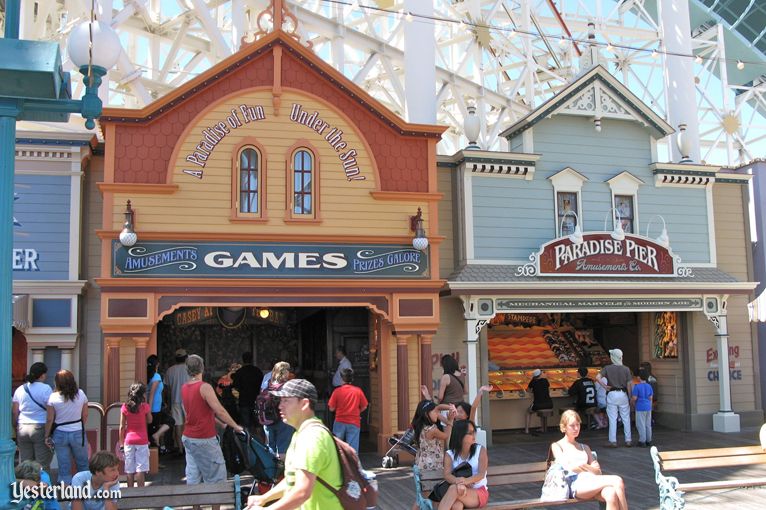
160, 259
601, 255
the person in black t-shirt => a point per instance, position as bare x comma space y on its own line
247, 380
541, 396
584, 390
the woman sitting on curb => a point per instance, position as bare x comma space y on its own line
470, 492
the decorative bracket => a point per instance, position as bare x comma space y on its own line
670, 497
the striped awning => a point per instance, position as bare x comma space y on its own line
757, 308
20, 311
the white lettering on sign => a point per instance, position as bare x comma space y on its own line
567, 253
333, 136
310, 260
25, 259
212, 136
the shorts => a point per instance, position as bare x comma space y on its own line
178, 414
483, 495
204, 460
136, 458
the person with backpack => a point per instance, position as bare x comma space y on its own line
278, 433
29, 414
312, 462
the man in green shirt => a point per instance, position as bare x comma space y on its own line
311, 454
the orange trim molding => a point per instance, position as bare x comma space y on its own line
406, 196
148, 189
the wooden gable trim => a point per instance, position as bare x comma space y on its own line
276, 42
560, 100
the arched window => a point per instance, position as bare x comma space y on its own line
249, 181
303, 182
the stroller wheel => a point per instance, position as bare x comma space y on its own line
390, 462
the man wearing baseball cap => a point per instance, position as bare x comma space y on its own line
619, 386
311, 455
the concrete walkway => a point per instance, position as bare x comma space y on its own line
633, 464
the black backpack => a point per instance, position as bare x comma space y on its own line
267, 406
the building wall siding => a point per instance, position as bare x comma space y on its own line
446, 224
512, 217
91, 341
41, 207
204, 205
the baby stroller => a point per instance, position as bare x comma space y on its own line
398, 442
244, 452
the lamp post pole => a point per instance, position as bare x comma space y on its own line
34, 87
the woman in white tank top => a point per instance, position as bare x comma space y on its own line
470, 491
577, 458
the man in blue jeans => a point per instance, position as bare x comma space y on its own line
348, 402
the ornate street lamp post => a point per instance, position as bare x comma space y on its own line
33, 86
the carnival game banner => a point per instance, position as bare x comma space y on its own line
159, 259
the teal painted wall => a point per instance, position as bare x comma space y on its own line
513, 217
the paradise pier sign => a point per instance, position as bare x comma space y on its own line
160, 259
601, 255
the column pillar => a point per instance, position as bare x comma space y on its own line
426, 375
402, 383
679, 74
38, 356
140, 370
715, 310
725, 420
66, 359
472, 329
111, 370
419, 66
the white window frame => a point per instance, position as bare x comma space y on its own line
567, 180
627, 184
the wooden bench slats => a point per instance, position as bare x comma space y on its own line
158, 496
528, 503
724, 484
515, 479
711, 452
510, 474
178, 489
508, 469
177, 500
702, 463
672, 491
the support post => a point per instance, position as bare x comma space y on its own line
679, 74
9, 110
426, 372
419, 63
140, 370
472, 329
725, 420
402, 383
112, 370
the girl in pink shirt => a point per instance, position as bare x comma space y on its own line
134, 438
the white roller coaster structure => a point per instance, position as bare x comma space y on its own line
506, 57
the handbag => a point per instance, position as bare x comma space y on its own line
556, 486
463, 470
558, 481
